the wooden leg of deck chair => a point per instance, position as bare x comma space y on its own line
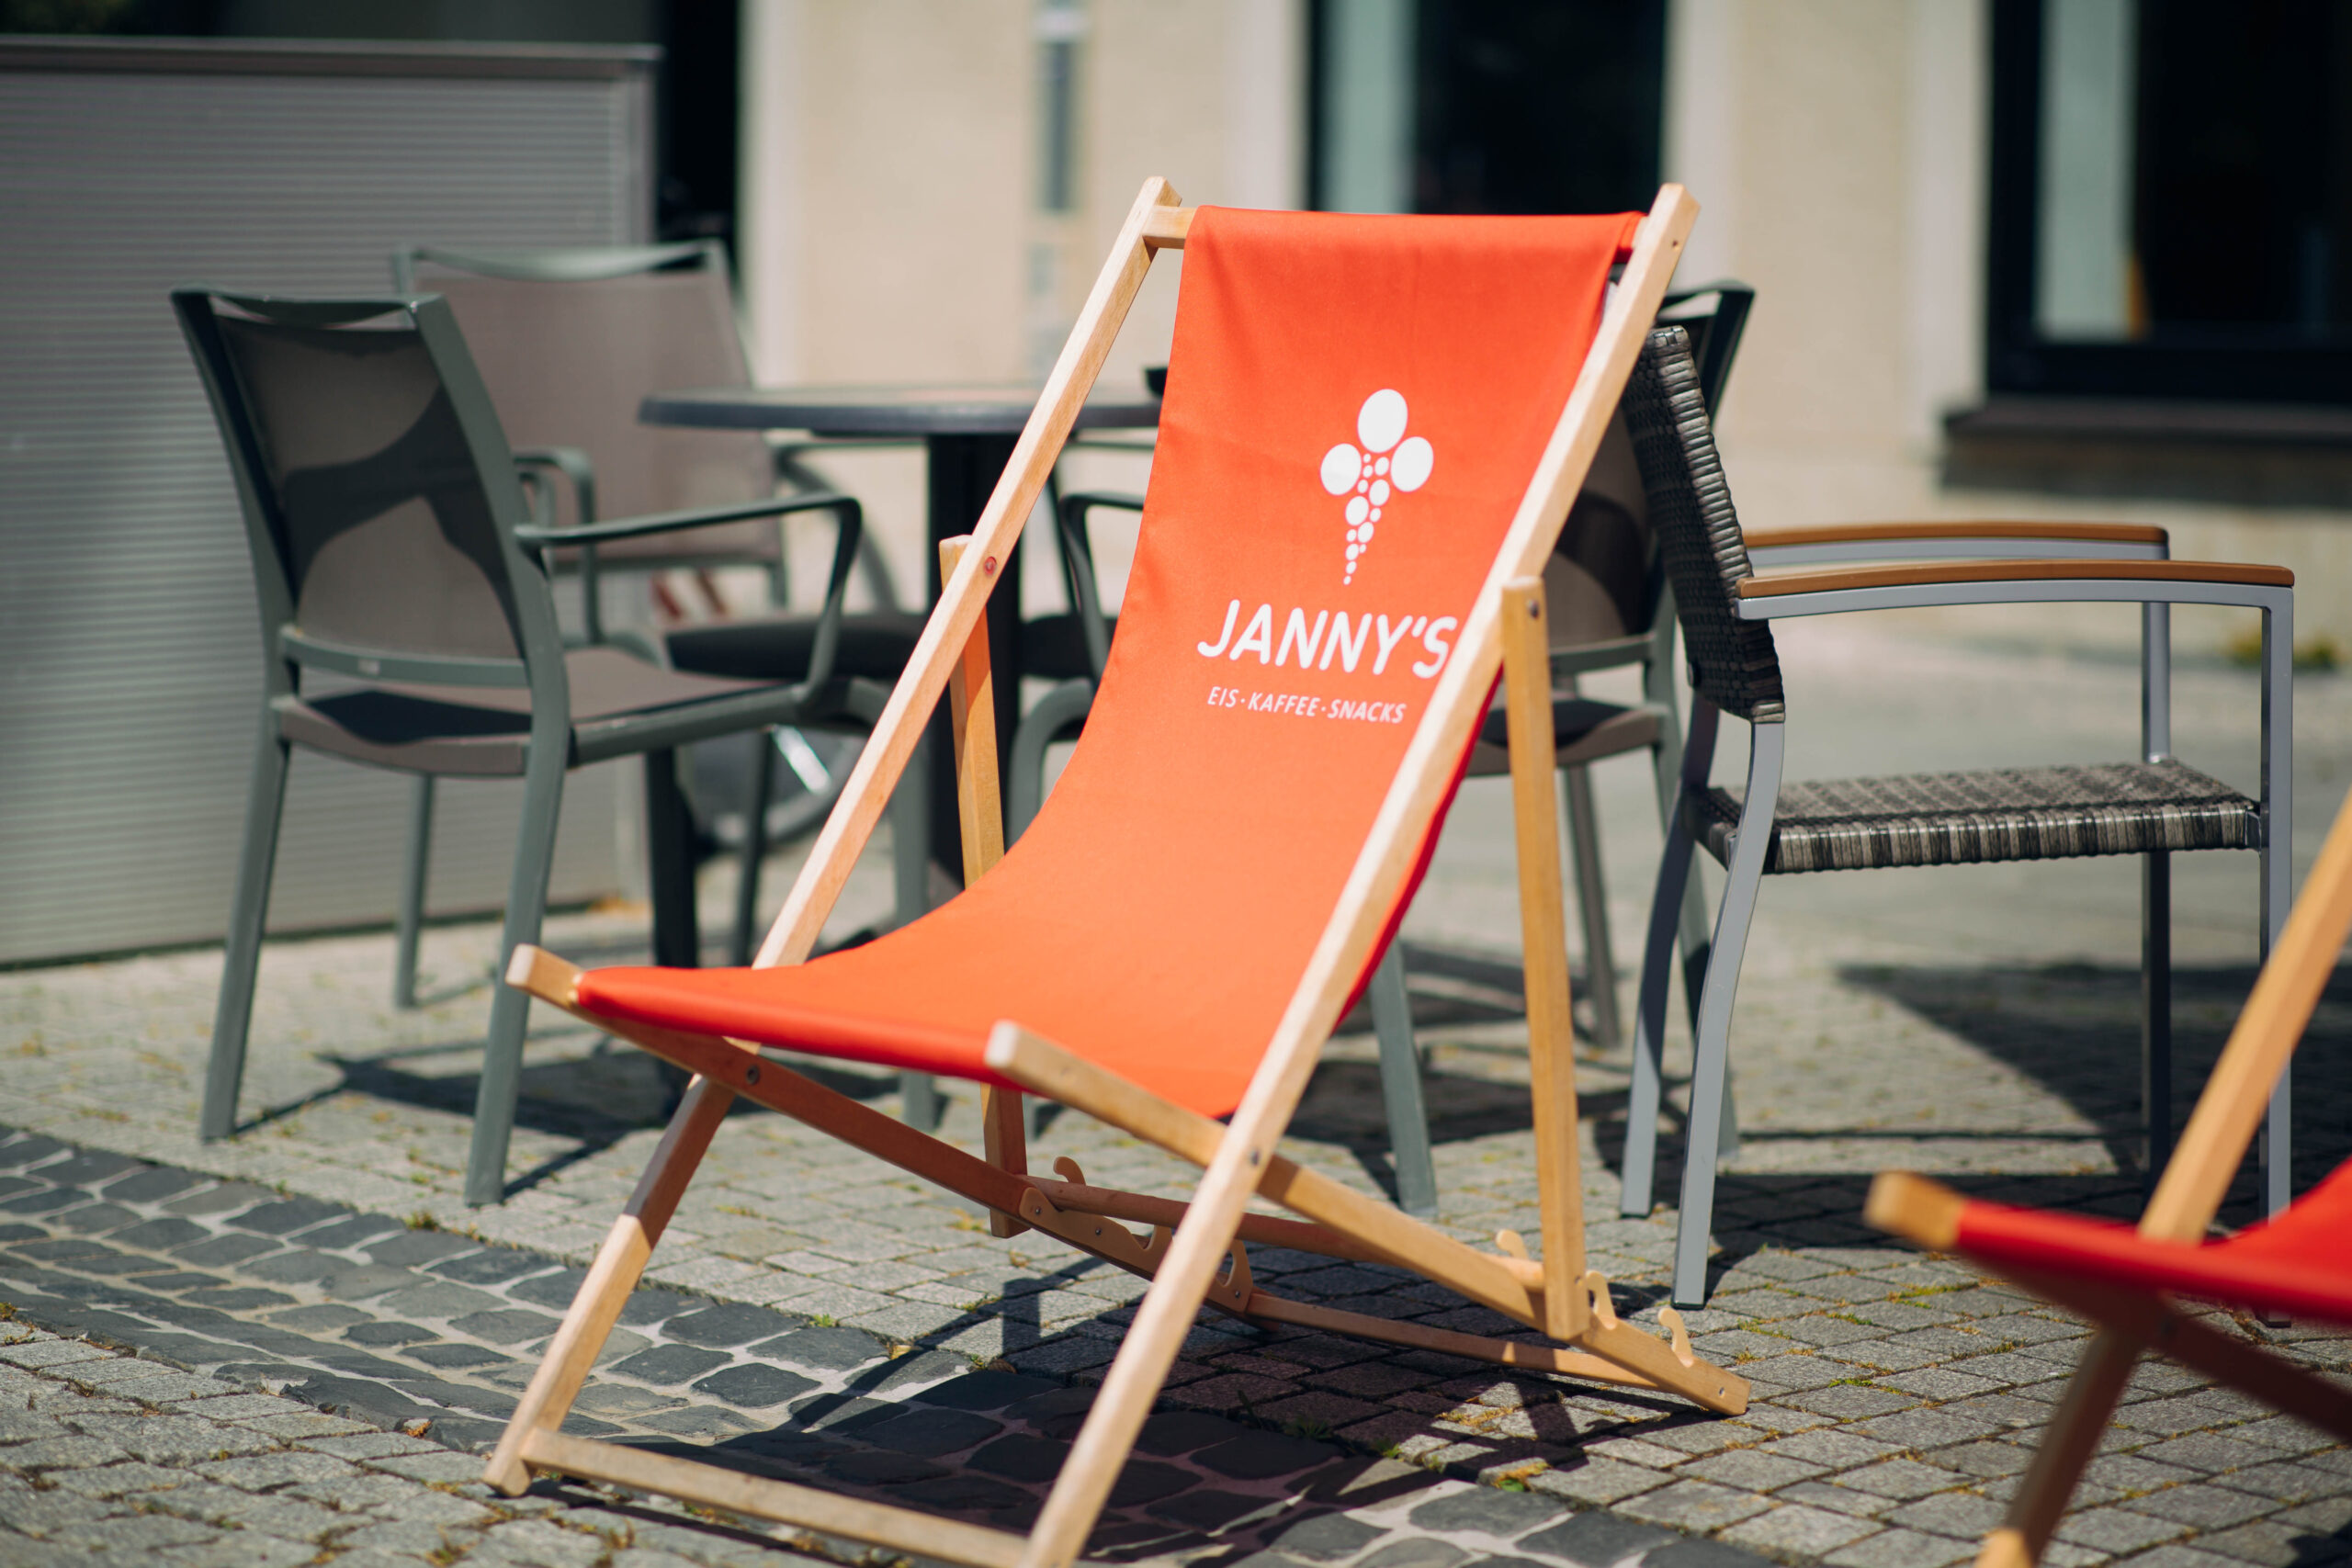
1508, 1285
619, 1261
2067, 1445
971, 704
1543, 936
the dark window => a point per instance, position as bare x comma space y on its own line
2172, 200
1486, 106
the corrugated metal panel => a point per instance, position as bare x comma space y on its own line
128, 651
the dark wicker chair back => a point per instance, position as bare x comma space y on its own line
1733, 663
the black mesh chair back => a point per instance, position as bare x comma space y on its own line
379, 494
571, 340
1733, 663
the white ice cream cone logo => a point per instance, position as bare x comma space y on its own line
1388, 461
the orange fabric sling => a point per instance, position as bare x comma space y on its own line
2295, 1263
1355, 407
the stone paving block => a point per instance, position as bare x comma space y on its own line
1951, 1513
352, 1232
1597, 1540
2284, 1482
1696, 1505
1506, 1515
290, 1428
508, 1325
1903, 1549
358, 1282
1415, 1551
158, 1386
27, 1149
438, 1300
49, 1353
170, 1440
1021, 1458
454, 1357
242, 1408
825, 1349
1853, 1401
286, 1216
727, 1324
2208, 1453
1927, 1429
220, 1200
2202, 1504
1325, 1537
162, 1234
931, 1433
87, 1168
1255, 1456
751, 1385
1751, 1469
1795, 1530
299, 1266
415, 1248
1839, 1499
126, 1479
489, 1266
1901, 1478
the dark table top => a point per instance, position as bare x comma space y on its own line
981, 410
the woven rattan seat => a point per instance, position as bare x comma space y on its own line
2002, 814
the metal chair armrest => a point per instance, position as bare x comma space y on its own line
573, 465
669, 521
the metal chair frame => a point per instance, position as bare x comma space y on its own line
556, 742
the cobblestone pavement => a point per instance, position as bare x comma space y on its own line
378, 1348
115, 1460
1979, 1023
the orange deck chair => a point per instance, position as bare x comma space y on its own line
1372, 430
2122, 1276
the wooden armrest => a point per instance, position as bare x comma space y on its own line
1863, 533
2015, 571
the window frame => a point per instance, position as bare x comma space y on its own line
2020, 360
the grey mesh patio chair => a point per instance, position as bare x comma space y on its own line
569, 340
1611, 608
407, 623
2148, 807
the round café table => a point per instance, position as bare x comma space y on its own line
967, 433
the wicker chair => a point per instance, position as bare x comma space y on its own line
2149, 806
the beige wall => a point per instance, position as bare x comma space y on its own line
1837, 148
888, 199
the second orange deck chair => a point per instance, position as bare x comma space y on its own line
1372, 432
2124, 1278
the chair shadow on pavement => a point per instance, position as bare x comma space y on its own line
594, 1100
2074, 1030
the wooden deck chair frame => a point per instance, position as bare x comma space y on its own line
1194, 1253
2236, 1099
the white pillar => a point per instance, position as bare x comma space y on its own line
1701, 139
772, 185
1265, 146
